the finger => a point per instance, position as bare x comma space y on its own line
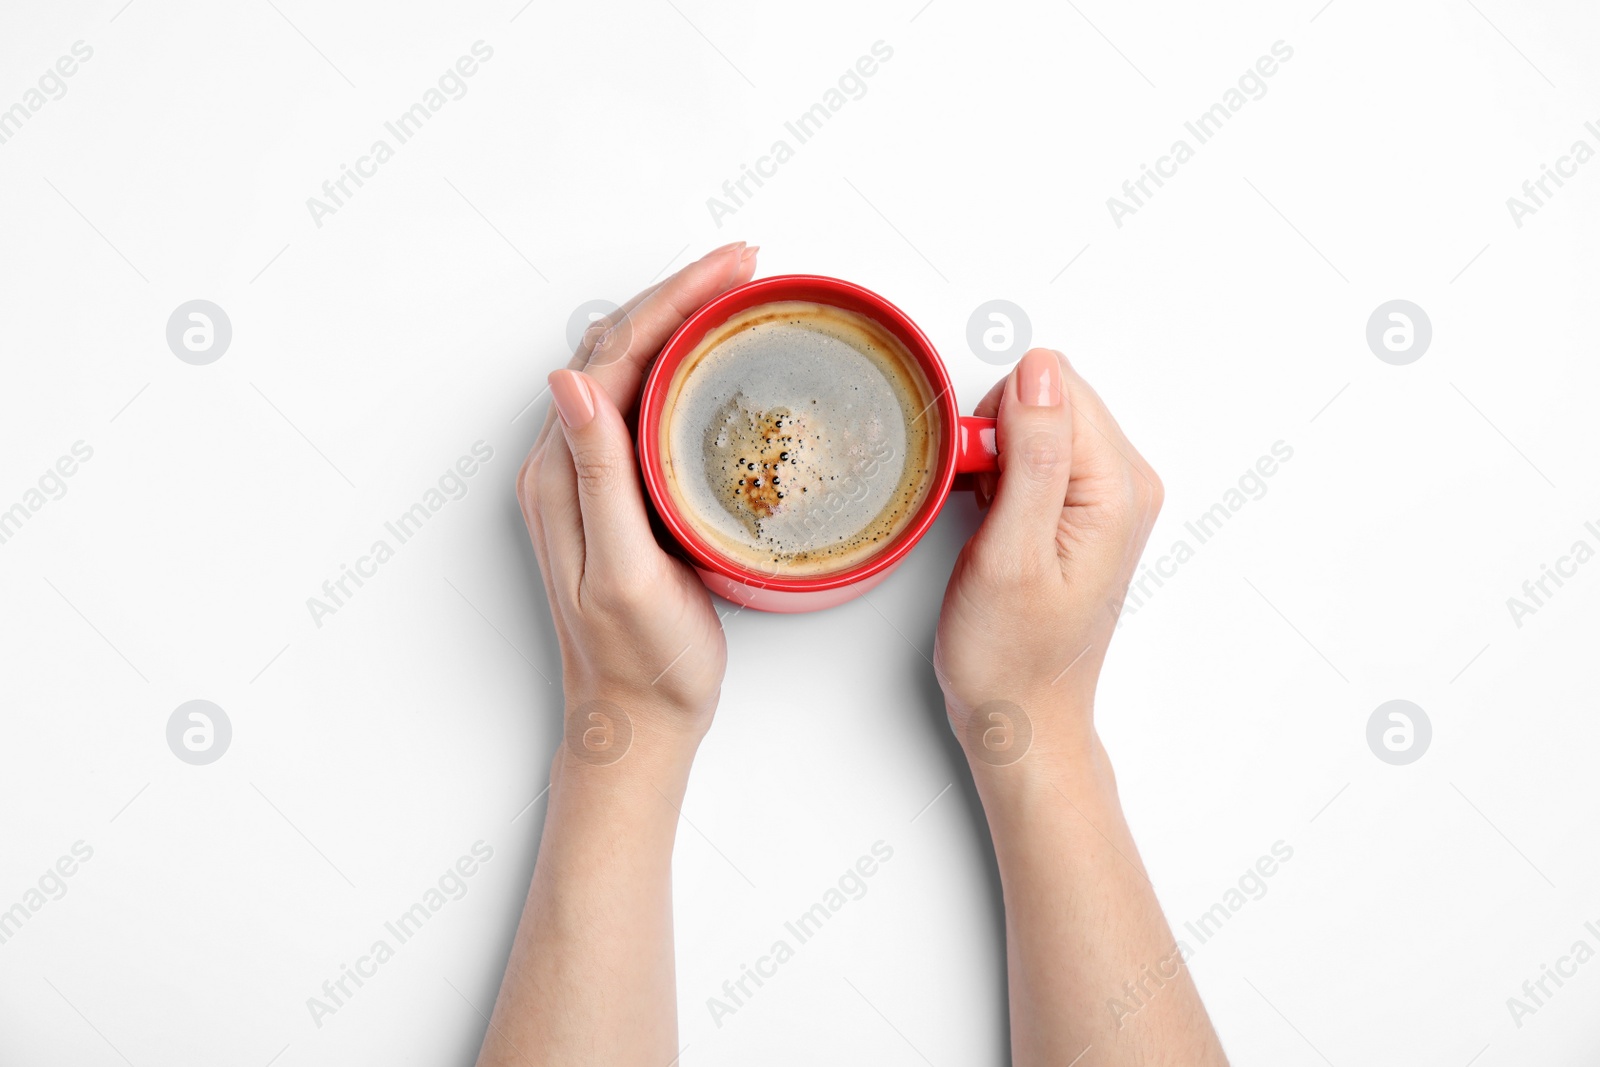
610, 505
988, 407
1036, 439
529, 498
580, 356
1106, 465
623, 353
560, 524
1113, 491
604, 327
597, 329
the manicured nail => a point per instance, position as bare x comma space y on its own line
748, 254
573, 402
718, 251
1039, 379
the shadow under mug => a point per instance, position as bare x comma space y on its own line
966, 446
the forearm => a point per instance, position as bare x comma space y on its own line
590, 979
1090, 958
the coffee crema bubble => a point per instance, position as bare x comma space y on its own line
799, 438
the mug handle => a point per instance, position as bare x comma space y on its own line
976, 449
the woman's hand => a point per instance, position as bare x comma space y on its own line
642, 648
1034, 596
1030, 609
637, 629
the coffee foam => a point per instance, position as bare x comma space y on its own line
798, 438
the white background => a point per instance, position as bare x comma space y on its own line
368, 354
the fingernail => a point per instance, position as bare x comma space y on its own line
571, 394
1039, 379
718, 251
748, 254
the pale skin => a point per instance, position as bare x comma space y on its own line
1026, 620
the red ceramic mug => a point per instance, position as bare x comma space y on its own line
966, 446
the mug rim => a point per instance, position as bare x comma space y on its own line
816, 288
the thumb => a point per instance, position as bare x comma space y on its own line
1035, 436
616, 530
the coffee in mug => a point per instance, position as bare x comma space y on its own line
799, 439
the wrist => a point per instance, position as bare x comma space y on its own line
1025, 803
630, 732
634, 791
1029, 732
1018, 749
612, 805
